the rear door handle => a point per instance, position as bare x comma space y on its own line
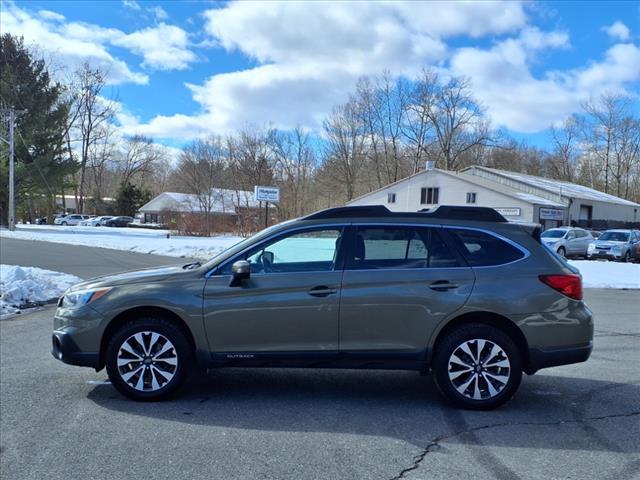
443, 286
322, 291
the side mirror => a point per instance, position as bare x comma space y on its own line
241, 270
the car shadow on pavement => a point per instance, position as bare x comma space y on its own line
558, 411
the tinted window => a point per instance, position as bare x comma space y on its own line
398, 247
309, 251
481, 249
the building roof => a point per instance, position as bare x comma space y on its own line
220, 201
479, 181
555, 187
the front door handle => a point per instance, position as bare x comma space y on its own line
322, 291
443, 286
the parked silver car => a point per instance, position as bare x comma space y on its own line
568, 241
95, 221
622, 245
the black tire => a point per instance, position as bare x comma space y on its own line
562, 252
64, 224
182, 351
627, 257
468, 333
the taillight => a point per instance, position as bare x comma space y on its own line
569, 285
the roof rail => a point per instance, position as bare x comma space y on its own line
479, 214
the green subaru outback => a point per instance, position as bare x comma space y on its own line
455, 291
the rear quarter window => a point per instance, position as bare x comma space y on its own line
482, 249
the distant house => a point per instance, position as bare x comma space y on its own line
222, 203
519, 197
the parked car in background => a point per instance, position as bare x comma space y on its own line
40, 221
95, 221
621, 245
568, 241
456, 291
595, 233
73, 219
118, 221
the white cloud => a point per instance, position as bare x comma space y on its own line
164, 47
49, 15
131, 4
618, 31
70, 43
311, 54
159, 12
503, 81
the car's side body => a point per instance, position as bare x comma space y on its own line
344, 317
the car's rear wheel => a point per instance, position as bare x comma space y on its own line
477, 366
149, 359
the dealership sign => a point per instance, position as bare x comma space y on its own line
266, 194
551, 214
508, 212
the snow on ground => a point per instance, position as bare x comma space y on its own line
600, 274
139, 240
22, 287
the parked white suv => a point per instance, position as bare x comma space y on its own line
73, 219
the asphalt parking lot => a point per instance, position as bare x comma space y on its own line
574, 422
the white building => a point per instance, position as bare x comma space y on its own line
220, 201
517, 196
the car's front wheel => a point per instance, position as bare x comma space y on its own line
148, 359
627, 257
562, 252
477, 366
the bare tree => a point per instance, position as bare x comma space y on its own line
201, 172
418, 128
138, 157
565, 144
294, 162
88, 116
345, 142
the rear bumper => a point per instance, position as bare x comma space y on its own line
66, 350
543, 358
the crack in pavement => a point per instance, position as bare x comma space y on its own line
434, 444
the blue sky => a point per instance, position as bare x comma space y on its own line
182, 69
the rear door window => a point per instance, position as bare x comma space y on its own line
398, 248
481, 249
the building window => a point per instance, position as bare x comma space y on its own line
391, 198
429, 195
471, 197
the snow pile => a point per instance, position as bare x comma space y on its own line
22, 287
596, 274
139, 240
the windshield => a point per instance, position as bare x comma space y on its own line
554, 234
614, 236
241, 245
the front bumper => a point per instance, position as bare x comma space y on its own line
76, 336
66, 350
603, 255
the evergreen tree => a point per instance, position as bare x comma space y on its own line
40, 156
130, 198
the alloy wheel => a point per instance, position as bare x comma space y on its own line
479, 369
147, 361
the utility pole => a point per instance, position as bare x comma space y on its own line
11, 113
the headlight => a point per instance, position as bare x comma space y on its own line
82, 297
591, 247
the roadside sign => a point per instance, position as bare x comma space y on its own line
551, 214
266, 194
508, 212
